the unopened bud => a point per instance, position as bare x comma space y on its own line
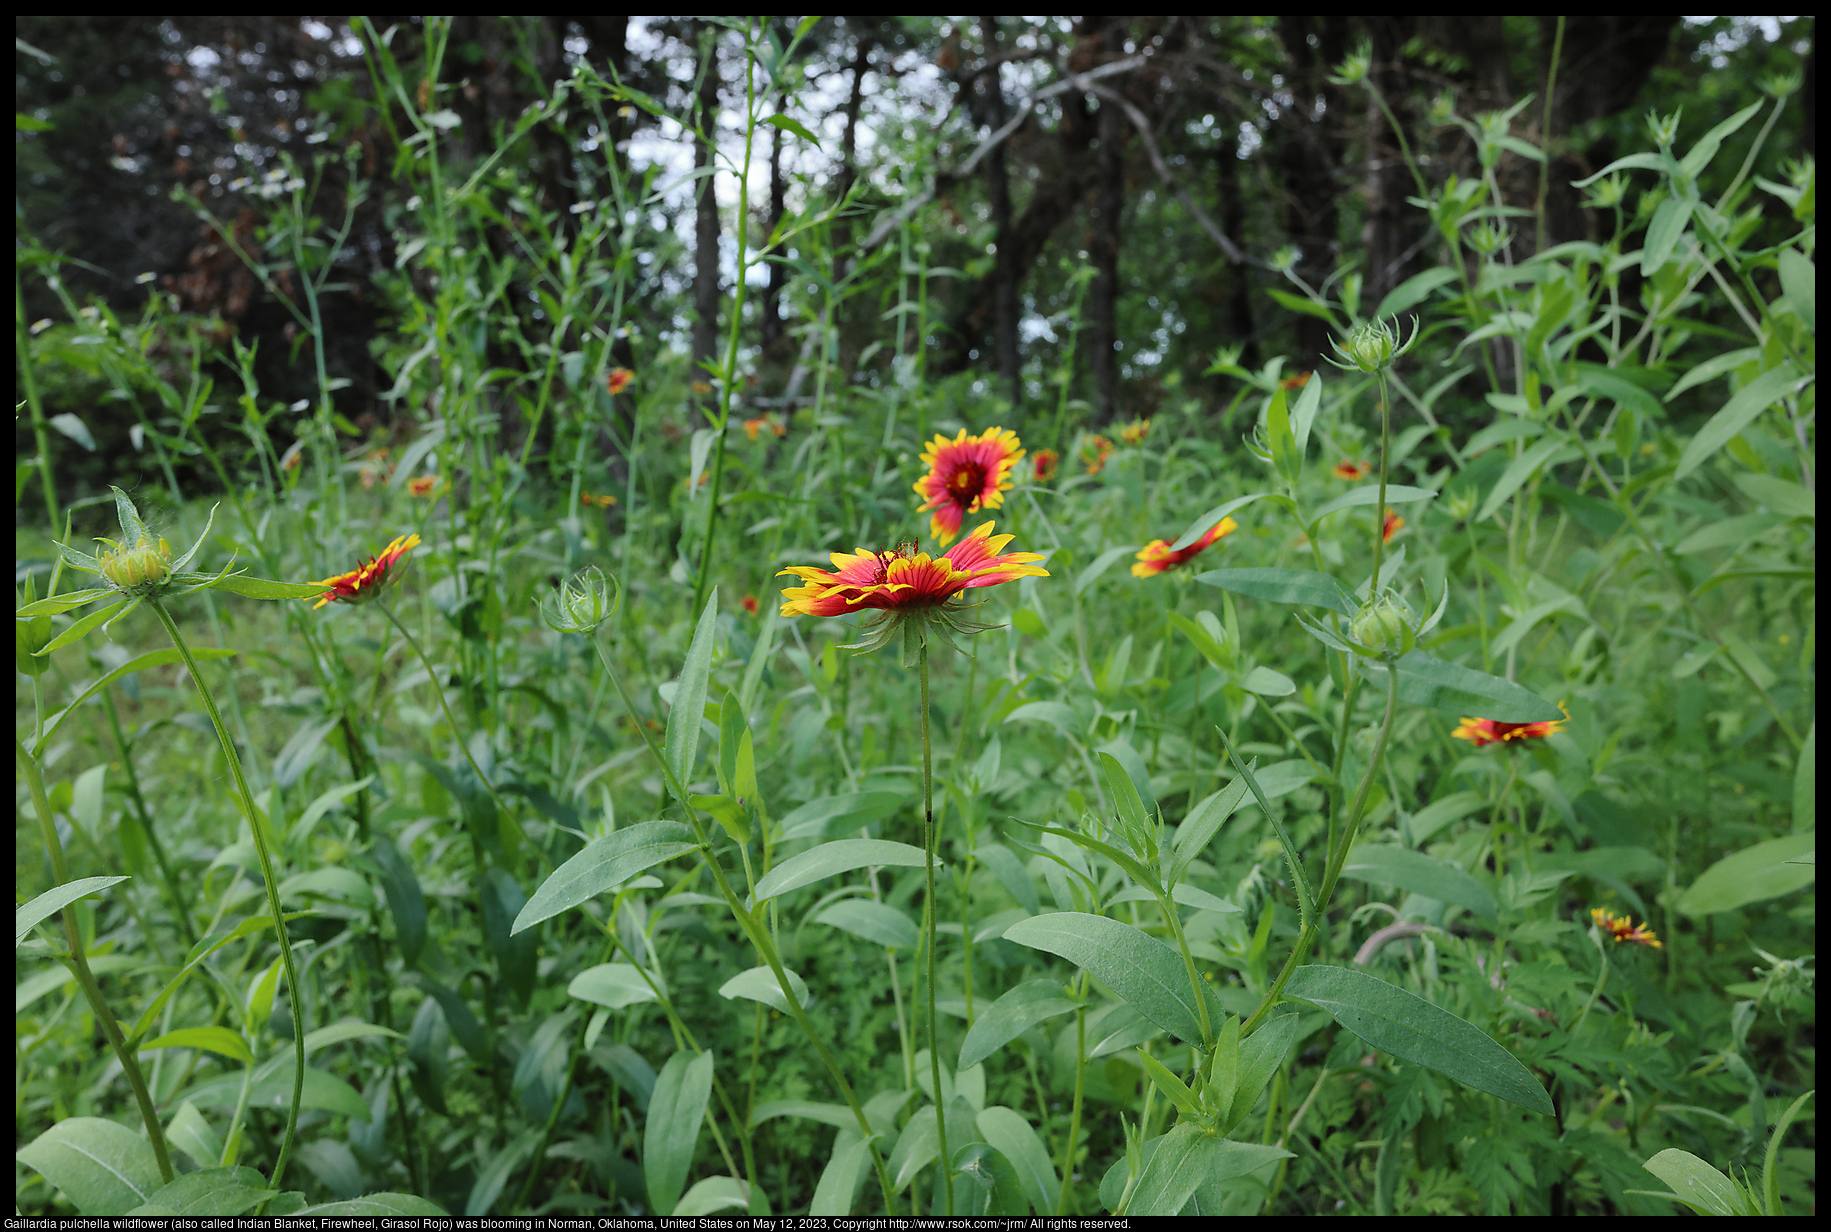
1382, 624
139, 567
583, 602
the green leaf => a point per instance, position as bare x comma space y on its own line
1208, 521
81, 629
219, 1040
761, 984
1012, 875
604, 864
1791, 499
1520, 469
1799, 279
1101, 563
1412, 292
153, 658
406, 901
262, 588
1369, 494
26, 917
1295, 586
1734, 532
1737, 414
612, 985
682, 742
1262, 1055
1712, 368
1420, 874
1014, 1138
1172, 1087
789, 124
102, 1167
1186, 1159
839, 1179
378, 1204
1805, 784
1440, 813
1428, 681
881, 923
1010, 1016
221, 1192
1669, 223
1059, 715
1125, 795
1695, 1183
1308, 307
57, 605
348, 1029
190, 1133
1412, 1029
846, 811
1139, 969
675, 1112
202, 950
1749, 876
715, 1193
1306, 897
830, 859
1267, 683
1206, 818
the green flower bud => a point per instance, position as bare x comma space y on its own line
583, 602
1382, 624
137, 568
1490, 237
1374, 346
1606, 194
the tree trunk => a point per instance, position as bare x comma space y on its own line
772, 293
848, 142
1240, 327
705, 234
1394, 225
998, 197
1309, 155
1103, 296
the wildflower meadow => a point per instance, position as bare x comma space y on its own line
678, 652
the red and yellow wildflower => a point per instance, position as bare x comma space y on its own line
1623, 928
904, 580
968, 474
1094, 454
618, 380
1157, 556
1134, 432
1043, 464
1480, 732
365, 582
1391, 526
1351, 470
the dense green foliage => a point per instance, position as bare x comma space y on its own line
605, 887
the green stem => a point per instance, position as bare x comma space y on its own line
1337, 859
928, 928
268, 877
1074, 1116
79, 967
759, 938
22, 338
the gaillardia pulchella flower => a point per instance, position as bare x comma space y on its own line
1481, 732
907, 586
365, 582
968, 474
1623, 928
1158, 556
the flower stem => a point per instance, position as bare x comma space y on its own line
79, 967
928, 927
758, 937
267, 876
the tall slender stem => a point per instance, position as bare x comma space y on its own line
928, 927
268, 877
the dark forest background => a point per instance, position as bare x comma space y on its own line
1156, 178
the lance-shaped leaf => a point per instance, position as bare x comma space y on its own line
1144, 972
1293, 586
1412, 1029
1010, 1016
1421, 874
604, 864
1428, 681
830, 859
682, 742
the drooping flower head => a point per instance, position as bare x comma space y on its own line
1134, 432
618, 379
366, 582
1043, 464
968, 474
906, 585
1351, 470
1623, 928
1157, 555
1480, 732
1391, 526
